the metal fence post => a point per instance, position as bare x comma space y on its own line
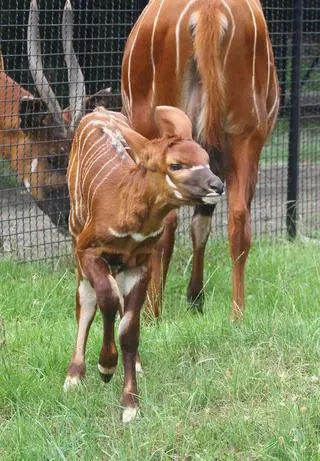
294, 133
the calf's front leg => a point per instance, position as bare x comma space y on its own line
86, 300
96, 287
133, 283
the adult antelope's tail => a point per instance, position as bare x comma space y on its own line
208, 35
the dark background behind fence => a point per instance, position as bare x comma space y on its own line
100, 32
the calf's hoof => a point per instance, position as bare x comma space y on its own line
106, 373
71, 382
129, 414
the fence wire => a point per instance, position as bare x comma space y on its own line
33, 196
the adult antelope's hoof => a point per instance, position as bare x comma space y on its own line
196, 301
129, 414
106, 373
71, 382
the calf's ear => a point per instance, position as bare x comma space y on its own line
172, 121
136, 142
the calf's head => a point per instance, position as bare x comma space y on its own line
183, 162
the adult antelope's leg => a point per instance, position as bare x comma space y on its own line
135, 288
161, 257
200, 230
85, 312
241, 182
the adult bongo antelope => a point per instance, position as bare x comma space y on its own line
121, 188
35, 133
213, 59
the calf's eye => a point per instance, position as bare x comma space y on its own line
176, 166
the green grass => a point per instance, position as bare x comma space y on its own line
212, 390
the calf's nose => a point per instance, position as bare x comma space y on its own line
216, 185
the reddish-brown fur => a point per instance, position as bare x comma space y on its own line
22, 145
213, 59
121, 187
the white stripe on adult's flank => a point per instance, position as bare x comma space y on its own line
232, 33
130, 56
152, 53
254, 62
276, 100
258, 6
184, 11
268, 75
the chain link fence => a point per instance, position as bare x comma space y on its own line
33, 196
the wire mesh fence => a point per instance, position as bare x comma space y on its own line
34, 145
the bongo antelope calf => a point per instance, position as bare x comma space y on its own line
121, 187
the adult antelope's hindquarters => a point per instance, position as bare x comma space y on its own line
122, 186
214, 60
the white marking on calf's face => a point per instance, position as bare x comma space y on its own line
211, 199
199, 167
178, 194
170, 182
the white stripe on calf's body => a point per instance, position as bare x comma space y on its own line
138, 237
